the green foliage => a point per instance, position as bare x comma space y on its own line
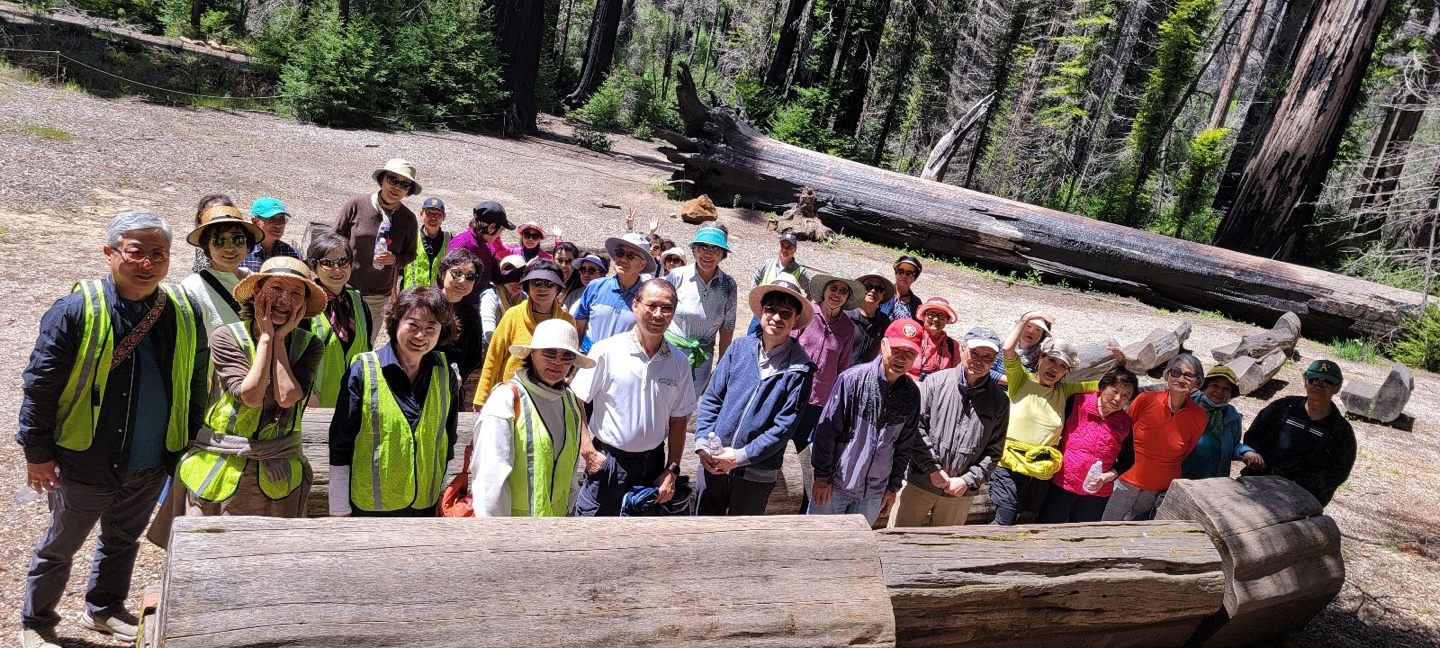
1356, 350
1419, 344
588, 136
1190, 217
798, 122
603, 109
628, 103
435, 65
45, 132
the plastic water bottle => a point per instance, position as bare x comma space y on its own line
1093, 479
25, 495
712, 445
382, 243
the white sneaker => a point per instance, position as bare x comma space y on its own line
30, 638
122, 625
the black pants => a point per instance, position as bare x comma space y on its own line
726, 495
805, 426
601, 493
1013, 494
1064, 506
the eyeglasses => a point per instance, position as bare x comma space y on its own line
460, 275
1176, 374
662, 308
936, 314
838, 288
556, 354
399, 182
628, 254
706, 248
589, 270
1320, 382
137, 257
782, 313
543, 284
875, 288
280, 219
907, 273
237, 240
532, 234
334, 264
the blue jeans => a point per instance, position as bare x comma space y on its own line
842, 504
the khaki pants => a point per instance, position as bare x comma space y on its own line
915, 507
376, 305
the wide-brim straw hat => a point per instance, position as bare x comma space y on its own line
289, 268
638, 243
402, 168
820, 281
787, 284
222, 215
554, 334
884, 280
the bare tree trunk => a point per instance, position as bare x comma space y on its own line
520, 30
1275, 201
778, 76
865, 53
197, 9
1040, 65
599, 50
1231, 80
1390, 162
1000, 79
939, 161
899, 84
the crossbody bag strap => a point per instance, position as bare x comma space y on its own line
132, 340
220, 290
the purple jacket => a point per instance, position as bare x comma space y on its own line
489, 269
828, 344
863, 441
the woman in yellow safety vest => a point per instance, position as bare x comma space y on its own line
247, 458
344, 327
528, 438
393, 433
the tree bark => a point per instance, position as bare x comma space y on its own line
939, 161
1275, 200
599, 51
898, 84
865, 52
727, 156
778, 76
520, 35
1236, 69
1390, 162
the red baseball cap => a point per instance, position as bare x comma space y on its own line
905, 332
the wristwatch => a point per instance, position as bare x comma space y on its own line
674, 468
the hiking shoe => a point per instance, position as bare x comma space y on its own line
122, 625
32, 638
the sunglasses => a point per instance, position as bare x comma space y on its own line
1176, 374
628, 254
398, 181
542, 284
279, 219
589, 270
237, 240
875, 288
782, 313
1318, 382
707, 248
461, 275
556, 354
532, 234
906, 273
338, 264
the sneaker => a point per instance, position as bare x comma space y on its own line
31, 638
123, 625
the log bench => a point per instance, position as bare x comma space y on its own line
1384, 403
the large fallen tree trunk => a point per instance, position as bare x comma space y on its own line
725, 155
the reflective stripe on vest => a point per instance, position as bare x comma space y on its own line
543, 489
422, 271
79, 405
337, 357
213, 476
394, 466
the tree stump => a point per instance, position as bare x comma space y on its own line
236, 582
1283, 336
1384, 403
1101, 584
1253, 372
803, 220
1280, 554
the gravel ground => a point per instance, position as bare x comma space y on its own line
105, 156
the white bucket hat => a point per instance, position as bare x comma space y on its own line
554, 334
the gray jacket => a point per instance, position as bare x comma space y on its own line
961, 431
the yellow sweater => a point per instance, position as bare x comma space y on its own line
515, 327
1037, 412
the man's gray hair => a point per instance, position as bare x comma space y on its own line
661, 285
132, 221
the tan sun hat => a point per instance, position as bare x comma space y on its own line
884, 281
289, 268
222, 215
820, 282
402, 168
554, 334
784, 282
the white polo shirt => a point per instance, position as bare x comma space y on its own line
635, 396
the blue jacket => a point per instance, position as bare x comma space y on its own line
755, 417
863, 441
1230, 448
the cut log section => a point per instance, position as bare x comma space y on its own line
1283, 336
1141, 357
1281, 555
1253, 373
236, 582
727, 156
1384, 403
1102, 584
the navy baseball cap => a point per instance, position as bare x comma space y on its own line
433, 203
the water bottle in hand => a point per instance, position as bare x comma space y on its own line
1094, 478
25, 495
382, 243
712, 445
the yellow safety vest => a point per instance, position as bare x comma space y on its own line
395, 466
337, 357
79, 405
213, 476
542, 489
422, 271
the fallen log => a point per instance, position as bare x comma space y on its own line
1253, 373
1156, 349
1102, 584
1283, 336
1280, 554
1384, 403
725, 155
236, 582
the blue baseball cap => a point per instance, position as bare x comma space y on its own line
433, 203
712, 236
267, 208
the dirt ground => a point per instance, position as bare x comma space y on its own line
71, 161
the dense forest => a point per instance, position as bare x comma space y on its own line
1300, 130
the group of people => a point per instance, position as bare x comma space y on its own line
585, 383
